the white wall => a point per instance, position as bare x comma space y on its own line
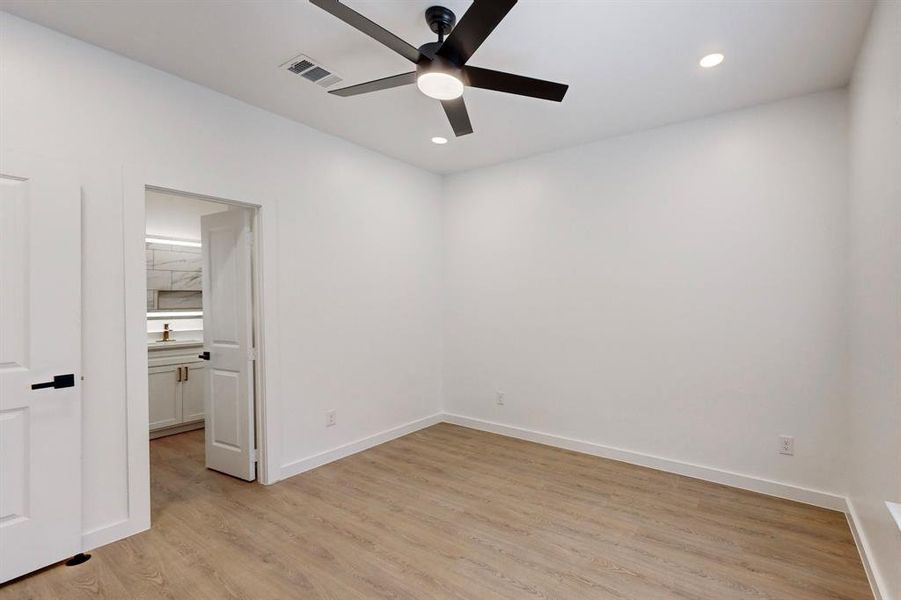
176, 216
710, 255
875, 309
351, 246
677, 293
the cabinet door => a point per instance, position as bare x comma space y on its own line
165, 396
192, 392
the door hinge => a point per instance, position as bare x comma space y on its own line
254, 455
252, 354
250, 238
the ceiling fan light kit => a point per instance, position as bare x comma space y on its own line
441, 69
439, 85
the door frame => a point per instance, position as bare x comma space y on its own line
219, 187
256, 312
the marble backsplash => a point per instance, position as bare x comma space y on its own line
174, 280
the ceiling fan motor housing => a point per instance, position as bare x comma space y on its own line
428, 50
438, 64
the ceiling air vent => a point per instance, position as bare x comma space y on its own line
310, 70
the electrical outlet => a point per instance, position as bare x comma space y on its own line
787, 445
500, 398
331, 418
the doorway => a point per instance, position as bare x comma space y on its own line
202, 329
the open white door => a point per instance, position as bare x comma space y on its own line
40, 364
228, 342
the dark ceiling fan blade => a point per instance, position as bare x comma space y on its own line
478, 22
457, 115
377, 32
513, 84
385, 83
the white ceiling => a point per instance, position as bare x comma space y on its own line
176, 216
631, 65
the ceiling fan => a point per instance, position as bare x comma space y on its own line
441, 69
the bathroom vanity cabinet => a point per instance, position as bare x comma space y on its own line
177, 380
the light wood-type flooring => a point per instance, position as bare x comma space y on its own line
449, 512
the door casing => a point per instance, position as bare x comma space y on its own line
136, 182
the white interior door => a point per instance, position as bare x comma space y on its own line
228, 338
40, 366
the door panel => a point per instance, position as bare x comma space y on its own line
40, 338
164, 396
192, 392
224, 324
13, 464
226, 398
13, 273
228, 337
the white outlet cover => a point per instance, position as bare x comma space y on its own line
330, 418
500, 398
787, 445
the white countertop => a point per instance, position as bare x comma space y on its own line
174, 344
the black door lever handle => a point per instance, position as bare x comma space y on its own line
59, 381
204, 356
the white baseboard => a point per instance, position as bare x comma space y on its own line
860, 539
745, 482
122, 529
317, 460
113, 532
158, 433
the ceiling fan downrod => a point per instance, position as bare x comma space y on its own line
441, 20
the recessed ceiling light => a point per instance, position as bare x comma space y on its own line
439, 140
711, 60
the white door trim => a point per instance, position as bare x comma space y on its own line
136, 180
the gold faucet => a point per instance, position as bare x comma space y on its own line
166, 333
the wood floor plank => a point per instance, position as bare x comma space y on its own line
449, 512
